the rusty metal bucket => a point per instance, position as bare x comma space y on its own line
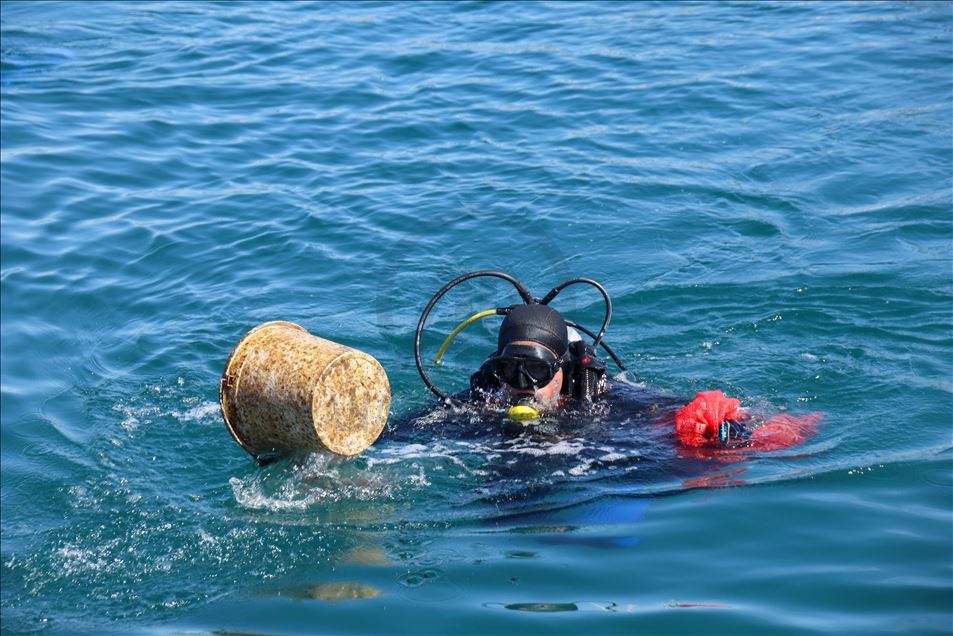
285, 389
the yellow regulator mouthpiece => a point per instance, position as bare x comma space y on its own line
523, 413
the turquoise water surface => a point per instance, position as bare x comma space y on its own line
766, 189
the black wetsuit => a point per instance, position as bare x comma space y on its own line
628, 435
605, 429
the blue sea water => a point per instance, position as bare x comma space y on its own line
766, 189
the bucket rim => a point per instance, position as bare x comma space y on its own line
225, 396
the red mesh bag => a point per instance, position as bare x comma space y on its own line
696, 423
784, 431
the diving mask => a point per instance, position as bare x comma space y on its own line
525, 366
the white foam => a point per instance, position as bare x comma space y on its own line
250, 495
321, 480
207, 538
134, 416
376, 461
581, 469
409, 450
533, 451
562, 447
420, 479
197, 412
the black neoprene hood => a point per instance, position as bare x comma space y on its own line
536, 323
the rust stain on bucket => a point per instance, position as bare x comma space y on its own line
285, 389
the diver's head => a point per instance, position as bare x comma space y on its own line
531, 352
538, 324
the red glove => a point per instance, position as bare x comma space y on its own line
697, 422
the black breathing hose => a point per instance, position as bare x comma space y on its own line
602, 290
520, 288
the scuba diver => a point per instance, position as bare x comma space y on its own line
541, 366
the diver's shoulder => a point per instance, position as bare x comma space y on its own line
630, 393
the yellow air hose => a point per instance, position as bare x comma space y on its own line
463, 325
